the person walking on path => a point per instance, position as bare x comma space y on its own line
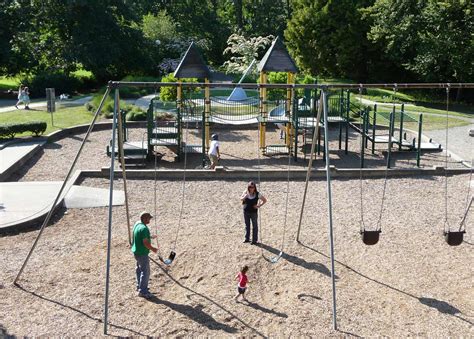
23, 97
21, 92
214, 153
26, 98
141, 247
252, 200
243, 281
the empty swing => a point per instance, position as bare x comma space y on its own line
371, 237
454, 238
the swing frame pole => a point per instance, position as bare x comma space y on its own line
111, 197
330, 225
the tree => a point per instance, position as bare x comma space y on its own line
243, 51
433, 39
8, 15
60, 36
328, 37
203, 22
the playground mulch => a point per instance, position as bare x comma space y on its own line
238, 151
410, 284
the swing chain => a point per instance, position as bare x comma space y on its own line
446, 217
362, 131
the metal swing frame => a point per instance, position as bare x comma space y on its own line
115, 85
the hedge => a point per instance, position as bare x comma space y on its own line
10, 130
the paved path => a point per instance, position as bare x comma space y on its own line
13, 155
144, 102
40, 104
460, 144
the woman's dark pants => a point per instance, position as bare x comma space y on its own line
254, 218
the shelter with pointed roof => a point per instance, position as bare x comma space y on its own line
277, 59
192, 65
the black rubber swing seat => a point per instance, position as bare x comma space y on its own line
454, 238
370, 237
170, 258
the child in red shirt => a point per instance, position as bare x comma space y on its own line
243, 281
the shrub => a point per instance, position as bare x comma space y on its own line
136, 115
37, 127
62, 83
170, 93
137, 92
10, 130
6, 131
277, 78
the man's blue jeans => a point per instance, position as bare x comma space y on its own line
143, 273
254, 218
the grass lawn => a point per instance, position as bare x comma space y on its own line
9, 83
63, 117
430, 122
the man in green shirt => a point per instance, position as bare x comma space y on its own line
141, 247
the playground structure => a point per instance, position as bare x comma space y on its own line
290, 108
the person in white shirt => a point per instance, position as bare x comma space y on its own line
214, 154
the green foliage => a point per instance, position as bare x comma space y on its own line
432, 39
10, 130
254, 18
62, 83
329, 37
9, 20
201, 20
360, 40
306, 79
61, 36
160, 28
170, 93
136, 92
277, 78
136, 114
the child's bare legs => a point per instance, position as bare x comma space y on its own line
241, 292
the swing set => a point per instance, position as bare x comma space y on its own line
454, 237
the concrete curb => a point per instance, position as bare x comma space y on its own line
221, 173
20, 162
33, 222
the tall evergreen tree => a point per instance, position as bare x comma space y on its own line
328, 37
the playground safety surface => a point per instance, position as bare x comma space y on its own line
410, 284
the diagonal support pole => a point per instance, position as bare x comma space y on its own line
48, 217
310, 165
331, 235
